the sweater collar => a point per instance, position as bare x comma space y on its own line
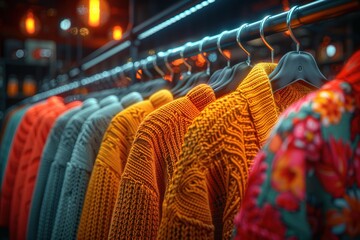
201, 96
256, 89
266, 106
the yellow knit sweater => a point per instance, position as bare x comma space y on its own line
149, 167
211, 174
109, 165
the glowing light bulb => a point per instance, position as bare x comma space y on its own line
94, 13
30, 23
117, 33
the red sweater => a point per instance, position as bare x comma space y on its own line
29, 174
12, 166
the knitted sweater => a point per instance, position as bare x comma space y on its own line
79, 168
31, 172
305, 182
32, 150
105, 177
47, 158
16, 152
211, 174
149, 168
57, 170
9, 134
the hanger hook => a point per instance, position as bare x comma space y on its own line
158, 70
168, 65
288, 24
263, 37
240, 44
182, 58
202, 54
144, 66
219, 47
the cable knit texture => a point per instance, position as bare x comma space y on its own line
12, 167
109, 164
79, 168
149, 168
211, 174
28, 174
57, 170
47, 158
29, 149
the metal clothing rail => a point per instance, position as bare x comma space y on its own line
135, 33
307, 14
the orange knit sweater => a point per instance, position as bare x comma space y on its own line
211, 174
105, 178
149, 167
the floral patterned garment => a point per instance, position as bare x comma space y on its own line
305, 182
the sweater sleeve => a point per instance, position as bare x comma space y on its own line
109, 165
56, 178
103, 185
77, 176
136, 212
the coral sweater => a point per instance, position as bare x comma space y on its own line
16, 152
29, 166
109, 165
149, 167
211, 174
47, 158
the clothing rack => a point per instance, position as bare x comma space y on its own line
304, 15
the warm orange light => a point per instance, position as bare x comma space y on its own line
117, 33
94, 13
177, 62
139, 74
30, 23
227, 53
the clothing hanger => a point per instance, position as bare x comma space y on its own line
262, 36
195, 79
146, 71
167, 64
296, 66
178, 88
156, 67
230, 81
220, 74
147, 88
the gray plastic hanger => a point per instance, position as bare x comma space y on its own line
229, 82
195, 79
296, 66
217, 79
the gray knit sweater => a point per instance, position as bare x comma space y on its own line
79, 168
57, 170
